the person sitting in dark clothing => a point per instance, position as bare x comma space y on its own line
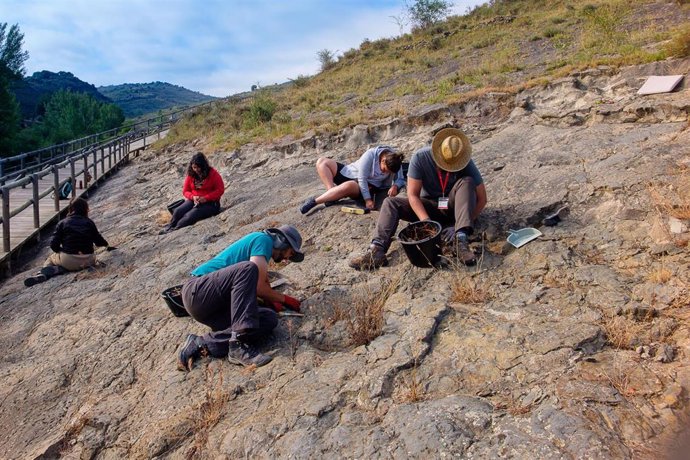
202, 190
72, 244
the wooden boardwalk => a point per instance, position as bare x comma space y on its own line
28, 223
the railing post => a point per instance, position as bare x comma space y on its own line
37, 214
56, 186
5, 219
95, 166
85, 171
73, 176
22, 159
103, 160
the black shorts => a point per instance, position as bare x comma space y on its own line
339, 178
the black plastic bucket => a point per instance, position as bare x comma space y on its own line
173, 299
422, 242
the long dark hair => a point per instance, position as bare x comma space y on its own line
78, 207
200, 160
393, 161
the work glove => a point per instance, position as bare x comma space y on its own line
292, 303
277, 306
448, 234
110, 248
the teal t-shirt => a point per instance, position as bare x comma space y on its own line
254, 244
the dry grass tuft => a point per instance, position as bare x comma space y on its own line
163, 217
209, 412
621, 332
660, 275
413, 390
465, 289
365, 318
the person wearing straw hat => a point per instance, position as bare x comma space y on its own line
443, 184
222, 294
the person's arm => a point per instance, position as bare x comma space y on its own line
216, 187
56, 241
263, 286
97, 238
397, 184
188, 188
414, 190
481, 201
365, 168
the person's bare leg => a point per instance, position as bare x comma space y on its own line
349, 189
327, 169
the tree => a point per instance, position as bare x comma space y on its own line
423, 13
326, 58
12, 60
71, 115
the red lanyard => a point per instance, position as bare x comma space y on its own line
442, 182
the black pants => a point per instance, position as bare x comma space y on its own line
225, 301
187, 214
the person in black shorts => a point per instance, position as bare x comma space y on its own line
378, 169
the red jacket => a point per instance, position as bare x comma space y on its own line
212, 188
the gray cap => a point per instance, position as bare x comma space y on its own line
294, 238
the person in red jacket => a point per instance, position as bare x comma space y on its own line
202, 190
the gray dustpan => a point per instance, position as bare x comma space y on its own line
523, 236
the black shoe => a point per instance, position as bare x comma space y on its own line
32, 280
166, 229
246, 355
328, 204
307, 205
189, 351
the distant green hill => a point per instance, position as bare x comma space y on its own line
137, 99
33, 90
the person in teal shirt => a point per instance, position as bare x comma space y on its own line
222, 294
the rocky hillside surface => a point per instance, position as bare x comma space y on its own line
574, 346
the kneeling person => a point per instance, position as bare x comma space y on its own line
222, 294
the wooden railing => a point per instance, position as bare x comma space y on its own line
85, 162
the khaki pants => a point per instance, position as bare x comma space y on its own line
71, 262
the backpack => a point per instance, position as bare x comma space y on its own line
66, 190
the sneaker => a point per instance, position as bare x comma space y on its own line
246, 355
189, 351
307, 205
371, 260
463, 252
328, 204
32, 280
167, 229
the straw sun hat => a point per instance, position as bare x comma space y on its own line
451, 149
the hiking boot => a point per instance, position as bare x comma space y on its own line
246, 355
371, 260
32, 280
463, 252
191, 350
307, 205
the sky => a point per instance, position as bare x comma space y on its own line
216, 47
